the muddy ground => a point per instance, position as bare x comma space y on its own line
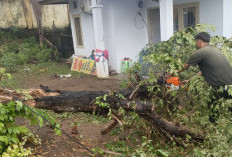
88, 129
80, 83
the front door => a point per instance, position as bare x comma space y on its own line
154, 25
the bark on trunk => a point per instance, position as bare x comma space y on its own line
27, 13
84, 101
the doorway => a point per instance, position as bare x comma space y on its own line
154, 25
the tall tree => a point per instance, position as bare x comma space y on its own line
28, 13
38, 15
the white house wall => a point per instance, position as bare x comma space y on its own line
121, 36
110, 32
227, 18
210, 12
87, 31
130, 33
125, 34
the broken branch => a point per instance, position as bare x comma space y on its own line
109, 128
134, 91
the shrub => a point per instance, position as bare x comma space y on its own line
23, 52
169, 56
13, 137
10, 61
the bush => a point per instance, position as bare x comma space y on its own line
23, 52
169, 56
9, 60
13, 137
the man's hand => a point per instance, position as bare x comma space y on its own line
185, 81
186, 66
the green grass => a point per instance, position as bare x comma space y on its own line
115, 131
80, 117
84, 118
120, 146
20, 78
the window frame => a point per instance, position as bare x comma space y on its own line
180, 8
76, 32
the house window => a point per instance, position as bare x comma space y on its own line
185, 15
74, 4
175, 20
77, 20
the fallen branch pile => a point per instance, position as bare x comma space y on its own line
84, 101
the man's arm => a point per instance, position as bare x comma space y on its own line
197, 74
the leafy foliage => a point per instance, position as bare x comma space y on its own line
169, 56
188, 106
15, 50
13, 137
9, 133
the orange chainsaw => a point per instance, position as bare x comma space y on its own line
172, 83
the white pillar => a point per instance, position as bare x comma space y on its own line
166, 19
227, 18
102, 64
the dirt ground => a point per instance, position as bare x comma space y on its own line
85, 82
88, 132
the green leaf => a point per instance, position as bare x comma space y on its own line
40, 121
104, 97
19, 105
10, 130
2, 125
11, 118
2, 138
14, 140
162, 153
2, 111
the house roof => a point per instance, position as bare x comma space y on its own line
50, 2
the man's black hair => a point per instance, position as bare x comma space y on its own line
203, 36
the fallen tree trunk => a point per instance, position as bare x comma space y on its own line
69, 102
84, 101
72, 101
175, 129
